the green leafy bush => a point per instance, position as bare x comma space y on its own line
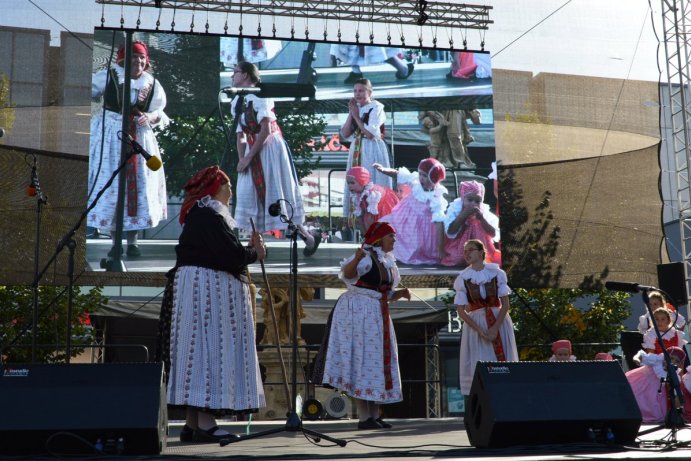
16, 314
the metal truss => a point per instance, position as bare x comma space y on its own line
419, 12
432, 374
676, 21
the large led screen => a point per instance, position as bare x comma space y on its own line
425, 120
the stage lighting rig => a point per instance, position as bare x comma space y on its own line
402, 12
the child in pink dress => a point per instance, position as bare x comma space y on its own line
649, 386
418, 218
469, 218
369, 201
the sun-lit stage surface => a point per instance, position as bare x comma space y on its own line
410, 439
414, 439
159, 256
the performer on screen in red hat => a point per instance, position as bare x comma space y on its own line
145, 197
369, 201
419, 217
359, 353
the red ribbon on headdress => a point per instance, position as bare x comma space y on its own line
204, 182
377, 231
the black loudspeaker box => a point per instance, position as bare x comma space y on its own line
116, 408
671, 280
537, 403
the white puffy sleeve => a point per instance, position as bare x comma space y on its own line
377, 117
451, 214
492, 220
461, 298
158, 103
363, 267
264, 108
98, 83
502, 284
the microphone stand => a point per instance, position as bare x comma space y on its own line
293, 422
69, 242
40, 201
674, 419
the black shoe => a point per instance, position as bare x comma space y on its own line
208, 436
133, 251
383, 423
186, 434
111, 253
311, 249
353, 77
369, 423
411, 68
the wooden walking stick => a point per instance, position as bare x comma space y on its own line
276, 334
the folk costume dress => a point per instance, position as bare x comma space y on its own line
145, 198
473, 228
671, 337
212, 352
271, 175
415, 218
373, 202
361, 357
648, 387
365, 152
481, 291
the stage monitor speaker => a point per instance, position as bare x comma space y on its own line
671, 280
79, 408
536, 403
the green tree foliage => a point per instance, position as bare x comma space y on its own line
16, 314
543, 315
191, 143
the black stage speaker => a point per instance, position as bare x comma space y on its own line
73, 408
529, 403
672, 281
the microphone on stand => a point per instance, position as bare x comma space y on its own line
274, 90
153, 162
628, 287
275, 208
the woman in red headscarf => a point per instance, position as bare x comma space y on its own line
419, 217
482, 302
359, 352
145, 197
468, 217
207, 325
369, 201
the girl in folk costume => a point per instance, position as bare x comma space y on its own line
482, 300
359, 353
145, 197
364, 129
469, 218
419, 217
266, 173
656, 299
369, 201
649, 383
561, 351
207, 336
670, 335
